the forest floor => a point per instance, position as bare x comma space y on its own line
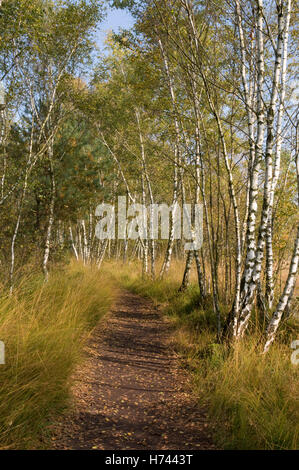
131, 392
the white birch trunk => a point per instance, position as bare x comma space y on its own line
168, 255
73, 243
51, 214
276, 171
285, 297
268, 185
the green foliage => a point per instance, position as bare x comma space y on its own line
44, 46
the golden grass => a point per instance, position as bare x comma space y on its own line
44, 327
252, 398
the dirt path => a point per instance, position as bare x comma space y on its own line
130, 392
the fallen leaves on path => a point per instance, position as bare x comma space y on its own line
131, 393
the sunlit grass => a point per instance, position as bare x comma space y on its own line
44, 327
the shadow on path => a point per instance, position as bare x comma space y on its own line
130, 392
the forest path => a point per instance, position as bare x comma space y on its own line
131, 393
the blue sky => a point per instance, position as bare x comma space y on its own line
115, 19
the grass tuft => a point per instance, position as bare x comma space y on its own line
44, 327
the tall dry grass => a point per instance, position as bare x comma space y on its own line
44, 327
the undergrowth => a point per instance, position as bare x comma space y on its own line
44, 327
252, 398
